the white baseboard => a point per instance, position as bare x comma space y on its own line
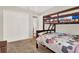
18, 39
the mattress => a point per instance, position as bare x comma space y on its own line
60, 42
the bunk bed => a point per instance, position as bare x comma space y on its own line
59, 42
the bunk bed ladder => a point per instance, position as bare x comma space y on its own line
52, 27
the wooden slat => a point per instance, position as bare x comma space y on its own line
77, 13
64, 23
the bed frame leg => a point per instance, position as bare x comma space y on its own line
36, 45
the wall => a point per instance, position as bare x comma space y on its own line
70, 28
30, 25
16, 25
1, 24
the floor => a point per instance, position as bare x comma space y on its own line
26, 46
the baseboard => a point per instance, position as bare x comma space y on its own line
19, 39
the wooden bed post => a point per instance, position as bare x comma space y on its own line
54, 27
36, 40
36, 45
43, 24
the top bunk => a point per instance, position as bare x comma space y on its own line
68, 16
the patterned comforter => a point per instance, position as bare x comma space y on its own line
60, 42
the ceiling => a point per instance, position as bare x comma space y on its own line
40, 9
37, 9
43, 9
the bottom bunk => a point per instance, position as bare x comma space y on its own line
59, 42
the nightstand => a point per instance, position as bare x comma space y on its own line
3, 46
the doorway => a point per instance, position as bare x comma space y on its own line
35, 25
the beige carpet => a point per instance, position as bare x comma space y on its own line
26, 46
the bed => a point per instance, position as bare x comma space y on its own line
55, 41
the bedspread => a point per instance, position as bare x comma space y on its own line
60, 42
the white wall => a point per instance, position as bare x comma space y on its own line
1, 24
16, 25
70, 28
30, 25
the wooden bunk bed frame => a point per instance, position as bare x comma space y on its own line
53, 28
